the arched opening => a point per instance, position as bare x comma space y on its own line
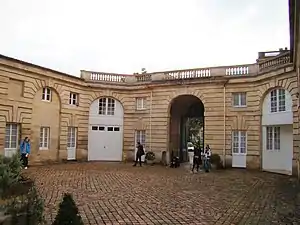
277, 132
45, 130
105, 136
186, 125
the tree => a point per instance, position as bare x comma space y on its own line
68, 212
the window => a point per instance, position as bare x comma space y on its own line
140, 103
239, 142
239, 99
273, 138
110, 129
73, 100
116, 128
11, 135
71, 143
102, 128
94, 127
140, 136
277, 99
107, 106
46, 96
44, 138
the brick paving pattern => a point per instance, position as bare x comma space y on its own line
112, 193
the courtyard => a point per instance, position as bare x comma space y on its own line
115, 193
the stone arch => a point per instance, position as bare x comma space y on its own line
106, 94
286, 84
185, 123
172, 96
57, 88
51, 122
277, 153
105, 132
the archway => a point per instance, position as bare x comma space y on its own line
45, 130
105, 136
186, 125
277, 131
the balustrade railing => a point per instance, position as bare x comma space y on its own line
199, 73
274, 62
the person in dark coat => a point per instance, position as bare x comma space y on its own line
196, 160
140, 152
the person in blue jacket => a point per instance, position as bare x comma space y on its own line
25, 151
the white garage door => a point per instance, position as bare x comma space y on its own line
105, 143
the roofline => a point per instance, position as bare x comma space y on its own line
39, 67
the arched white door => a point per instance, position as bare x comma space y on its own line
277, 132
105, 136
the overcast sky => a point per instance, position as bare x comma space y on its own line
123, 36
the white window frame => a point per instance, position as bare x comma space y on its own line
277, 100
44, 138
106, 106
140, 103
46, 94
239, 99
273, 138
74, 99
140, 136
239, 142
72, 137
9, 129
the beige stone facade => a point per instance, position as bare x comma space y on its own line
21, 87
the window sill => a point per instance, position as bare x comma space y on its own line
239, 106
44, 100
43, 149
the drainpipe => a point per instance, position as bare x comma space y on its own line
224, 123
298, 161
150, 120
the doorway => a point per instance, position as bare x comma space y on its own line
186, 125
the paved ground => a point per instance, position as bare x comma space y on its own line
120, 194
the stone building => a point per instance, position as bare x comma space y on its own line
248, 114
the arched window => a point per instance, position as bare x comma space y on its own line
106, 106
277, 100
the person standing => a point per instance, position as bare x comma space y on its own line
196, 160
207, 156
140, 152
25, 151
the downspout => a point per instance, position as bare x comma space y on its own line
224, 123
150, 120
298, 77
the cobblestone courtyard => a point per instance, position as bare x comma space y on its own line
111, 193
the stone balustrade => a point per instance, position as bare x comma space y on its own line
198, 73
274, 62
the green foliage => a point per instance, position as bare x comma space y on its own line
29, 208
150, 156
10, 172
68, 212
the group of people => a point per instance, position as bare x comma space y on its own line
201, 156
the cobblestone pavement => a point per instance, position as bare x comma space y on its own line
111, 193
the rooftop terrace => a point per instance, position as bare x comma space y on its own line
267, 61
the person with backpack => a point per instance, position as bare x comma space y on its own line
140, 152
25, 151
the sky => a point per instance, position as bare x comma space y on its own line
123, 36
